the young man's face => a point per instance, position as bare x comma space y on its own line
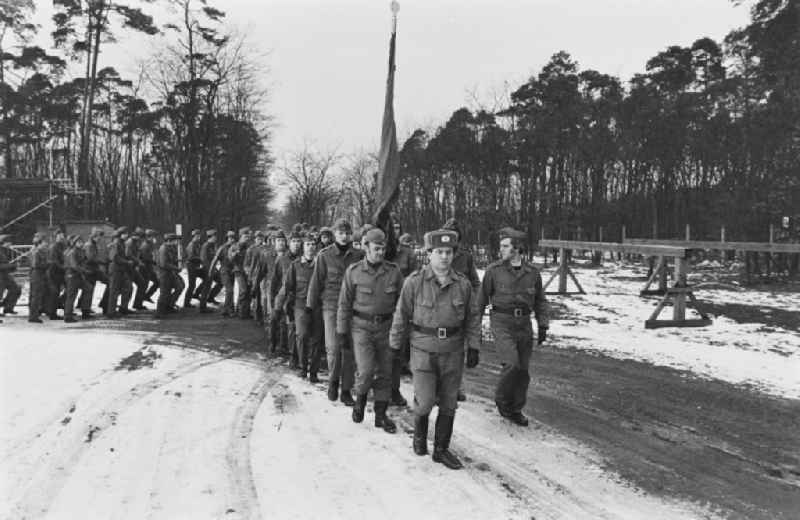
309, 249
280, 244
294, 245
375, 252
507, 249
441, 258
342, 236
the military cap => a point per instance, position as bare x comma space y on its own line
138, 231
310, 237
98, 231
405, 239
196, 232
231, 234
375, 236
297, 232
509, 232
313, 229
365, 228
278, 234
441, 238
244, 230
211, 233
4, 238
259, 234
325, 230
119, 231
452, 225
342, 225
150, 232
171, 236
73, 239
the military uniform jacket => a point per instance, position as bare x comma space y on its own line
236, 253
329, 270
465, 264
222, 256
265, 262
425, 303
370, 289
146, 254
5, 260
132, 250
92, 254
55, 256
167, 260
75, 261
39, 257
193, 260
295, 283
116, 255
279, 269
508, 288
251, 261
207, 252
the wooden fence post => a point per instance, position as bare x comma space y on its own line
562, 271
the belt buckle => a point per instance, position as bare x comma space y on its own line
517, 313
376, 319
441, 333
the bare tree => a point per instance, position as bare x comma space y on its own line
310, 177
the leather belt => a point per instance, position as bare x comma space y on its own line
439, 332
374, 318
517, 312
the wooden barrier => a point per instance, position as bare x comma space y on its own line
766, 247
676, 295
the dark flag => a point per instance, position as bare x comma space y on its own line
387, 184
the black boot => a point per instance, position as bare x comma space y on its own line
333, 390
358, 408
382, 420
398, 399
441, 442
347, 398
421, 434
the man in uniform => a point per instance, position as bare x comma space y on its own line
463, 263
8, 286
266, 263
212, 283
406, 260
252, 266
367, 300
38, 278
236, 254
147, 269
325, 237
308, 324
118, 280
194, 268
55, 274
169, 281
513, 287
96, 270
76, 272
132, 252
323, 290
283, 335
226, 272
437, 313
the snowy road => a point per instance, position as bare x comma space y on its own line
113, 424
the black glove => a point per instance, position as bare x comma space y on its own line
341, 340
472, 357
542, 334
308, 310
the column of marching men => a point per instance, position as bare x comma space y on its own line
321, 292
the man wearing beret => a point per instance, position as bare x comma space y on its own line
367, 299
226, 272
212, 283
323, 290
38, 278
308, 324
8, 286
436, 312
76, 273
194, 268
513, 287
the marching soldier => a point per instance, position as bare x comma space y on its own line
266, 263
282, 339
118, 280
8, 286
55, 274
406, 260
325, 237
76, 272
194, 268
226, 272
96, 270
236, 254
513, 287
367, 300
147, 270
437, 313
212, 284
252, 267
169, 281
133, 253
38, 278
323, 291
307, 322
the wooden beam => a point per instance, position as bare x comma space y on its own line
775, 247
642, 249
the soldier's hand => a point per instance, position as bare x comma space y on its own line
308, 310
473, 357
341, 340
542, 334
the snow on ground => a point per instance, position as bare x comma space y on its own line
192, 434
610, 319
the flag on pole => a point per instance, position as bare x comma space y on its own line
387, 184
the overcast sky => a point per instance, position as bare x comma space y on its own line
327, 58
